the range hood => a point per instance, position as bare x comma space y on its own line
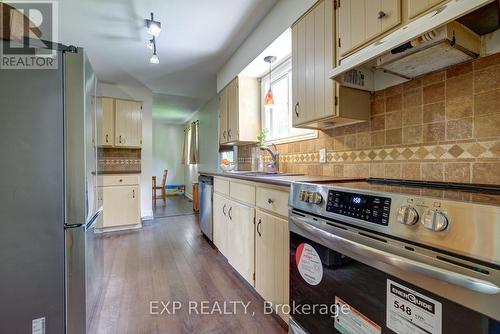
432, 42
446, 46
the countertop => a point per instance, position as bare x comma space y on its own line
118, 172
279, 180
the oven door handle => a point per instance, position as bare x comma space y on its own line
349, 246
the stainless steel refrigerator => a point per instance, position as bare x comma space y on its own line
51, 260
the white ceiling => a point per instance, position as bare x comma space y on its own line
197, 38
281, 48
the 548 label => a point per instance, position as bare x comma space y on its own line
402, 307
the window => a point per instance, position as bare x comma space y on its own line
277, 120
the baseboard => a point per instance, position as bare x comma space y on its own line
119, 228
147, 215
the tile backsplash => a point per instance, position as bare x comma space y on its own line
444, 126
119, 160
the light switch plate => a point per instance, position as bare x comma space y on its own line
322, 155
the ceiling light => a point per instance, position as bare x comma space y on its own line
154, 27
269, 98
154, 59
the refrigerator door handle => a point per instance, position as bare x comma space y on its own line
93, 220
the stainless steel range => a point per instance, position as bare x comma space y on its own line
402, 257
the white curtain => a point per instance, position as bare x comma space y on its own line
190, 154
193, 144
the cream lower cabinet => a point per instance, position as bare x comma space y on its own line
120, 196
220, 206
240, 243
234, 234
271, 259
251, 231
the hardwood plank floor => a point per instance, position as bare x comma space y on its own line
175, 206
169, 260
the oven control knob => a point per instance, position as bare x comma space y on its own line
316, 198
407, 215
435, 220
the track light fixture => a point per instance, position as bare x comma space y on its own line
154, 28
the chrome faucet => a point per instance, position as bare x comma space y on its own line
274, 165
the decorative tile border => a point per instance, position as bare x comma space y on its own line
487, 150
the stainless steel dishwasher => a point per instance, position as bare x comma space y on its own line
206, 194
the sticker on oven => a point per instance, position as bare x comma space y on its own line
409, 312
353, 322
309, 264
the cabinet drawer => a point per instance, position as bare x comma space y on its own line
273, 200
120, 180
243, 192
221, 186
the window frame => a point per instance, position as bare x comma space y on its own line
283, 69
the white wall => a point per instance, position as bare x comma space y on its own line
144, 94
279, 18
168, 142
208, 116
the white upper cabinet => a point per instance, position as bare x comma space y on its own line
128, 124
121, 123
360, 21
107, 136
318, 102
239, 107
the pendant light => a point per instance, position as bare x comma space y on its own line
269, 98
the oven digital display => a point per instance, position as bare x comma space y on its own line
356, 200
372, 209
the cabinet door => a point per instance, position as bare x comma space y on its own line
299, 72
108, 122
233, 111
313, 57
360, 21
121, 206
128, 124
220, 208
223, 116
241, 239
417, 7
133, 205
271, 258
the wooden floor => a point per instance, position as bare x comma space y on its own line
169, 260
176, 206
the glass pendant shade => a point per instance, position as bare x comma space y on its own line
269, 99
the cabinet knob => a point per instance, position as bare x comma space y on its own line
296, 108
258, 229
107, 139
381, 14
120, 139
229, 213
270, 201
224, 134
133, 193
229, 133
224, 209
